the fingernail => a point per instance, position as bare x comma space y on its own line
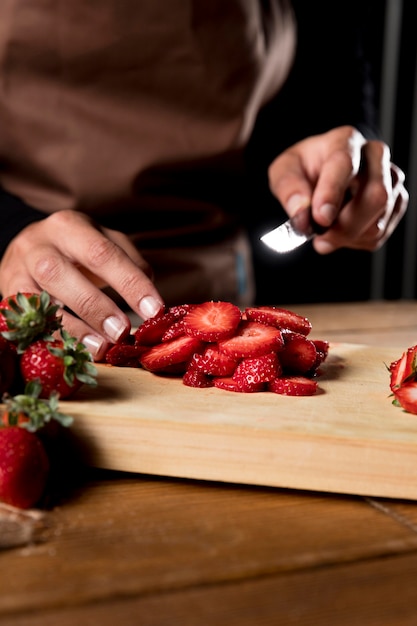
93, 343
114, 327
323, 247
297, 201
328, 212
149, 307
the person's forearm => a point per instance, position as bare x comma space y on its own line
15, 215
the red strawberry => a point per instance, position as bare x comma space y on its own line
403, 369
213, 362
164, 355
230, 384
293, 386
196, 378
175, 330
124, 354
281, 318
151, 330
299, 354
322, 348
8, 365
24, 467
60, 365
252, 339
257, 370
25, 317
212, 321
406, 396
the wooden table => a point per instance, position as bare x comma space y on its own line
142, 550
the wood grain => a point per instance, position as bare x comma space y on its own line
136, 537
349, 438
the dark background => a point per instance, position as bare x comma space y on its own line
341, 68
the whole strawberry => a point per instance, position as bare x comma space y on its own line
59, 365
25, 317
24, 467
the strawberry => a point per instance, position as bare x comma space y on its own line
213, 362
281, 318
293, 386
405, 396
257, 370
162, 356
26, 433
228, 383
24, 467
212, 321
8, 365
124, 354
151, 330
299, 354
175, 330
60, 365
252, 339
196, 378
26, 317
403, 369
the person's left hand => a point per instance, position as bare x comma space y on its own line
352, 185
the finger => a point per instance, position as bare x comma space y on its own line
96, 344
90, 248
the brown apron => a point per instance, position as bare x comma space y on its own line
136, 113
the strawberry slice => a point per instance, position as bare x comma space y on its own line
163, 356
293, 386
299, 354
281, 318
406, 397
212, 321
252, 339
151, 330
124, 354
229, 384
213, 362
196, 378
257, 370
403, 369
175, 330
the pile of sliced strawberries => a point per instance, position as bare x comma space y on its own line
214, 344
403, 380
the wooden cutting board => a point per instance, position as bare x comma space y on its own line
348, 438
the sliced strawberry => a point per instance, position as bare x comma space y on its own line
179, 310
252, 339
281, 318
293, 386
322, 348
299, 354
257, 370
196, 378
212, 321
403, 369
406, 396
229, 384
124, 355
175, 330
213, 362
151, 330
163, 355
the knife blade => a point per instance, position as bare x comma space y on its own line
293, 233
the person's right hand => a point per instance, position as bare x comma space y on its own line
73, 259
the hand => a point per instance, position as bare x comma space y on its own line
72, 258
351, 184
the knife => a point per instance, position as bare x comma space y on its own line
294, 232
